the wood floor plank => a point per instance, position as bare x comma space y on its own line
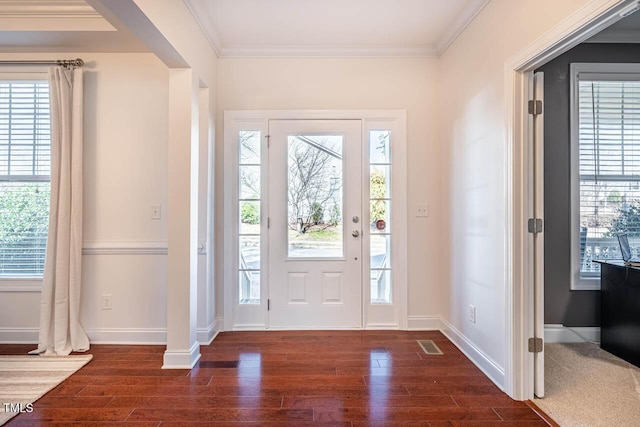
368, 402
220, 414
196, 402
516, 414
290, 381
37, 423
76, 414
490, 401
85, 380
427, 378
281, 379
255, 423
51, 401
405, 414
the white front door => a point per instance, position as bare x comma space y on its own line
315, 224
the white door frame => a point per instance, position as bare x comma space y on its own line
395, 120
520, 299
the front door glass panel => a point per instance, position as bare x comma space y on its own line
315, 196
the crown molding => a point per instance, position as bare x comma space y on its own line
461, 22
47, 9
200, 12
326, 51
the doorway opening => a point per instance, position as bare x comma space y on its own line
526, 304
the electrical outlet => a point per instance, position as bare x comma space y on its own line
105, 303
472, 313
422, 210
156, 211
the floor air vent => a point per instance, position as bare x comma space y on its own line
429, 347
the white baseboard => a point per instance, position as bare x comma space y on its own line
96, 336
382, 326
424, 323
250, 327
185, 359
19, 335
149, 336
490, 368
207, 335
560, 333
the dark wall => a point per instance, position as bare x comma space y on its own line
561, 305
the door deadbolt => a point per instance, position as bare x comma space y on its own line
356, 219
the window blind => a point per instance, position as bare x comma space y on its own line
25, 169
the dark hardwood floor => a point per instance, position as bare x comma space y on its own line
314, 378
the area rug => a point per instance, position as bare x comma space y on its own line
24, 379
586, 386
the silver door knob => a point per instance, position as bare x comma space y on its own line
355, 233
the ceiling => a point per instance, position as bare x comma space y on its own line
267, 27
252, 27
333, 27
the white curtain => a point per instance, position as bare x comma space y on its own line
60, 329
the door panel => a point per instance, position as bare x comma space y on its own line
315, 250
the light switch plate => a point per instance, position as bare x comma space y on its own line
156, 212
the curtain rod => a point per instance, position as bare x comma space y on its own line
67, 63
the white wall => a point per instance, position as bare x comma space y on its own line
358, 83
125, 173
474, 152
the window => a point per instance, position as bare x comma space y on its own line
605, 165
249, 207
25, 168
380, 215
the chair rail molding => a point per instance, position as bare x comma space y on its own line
125, 247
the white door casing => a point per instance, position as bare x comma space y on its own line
315, 284
253, 314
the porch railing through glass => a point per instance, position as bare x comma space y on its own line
601, 248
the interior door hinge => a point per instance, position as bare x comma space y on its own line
268, 140
535, 345
268, 222
534, 225
535, 107
268, 304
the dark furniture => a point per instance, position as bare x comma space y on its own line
620, 305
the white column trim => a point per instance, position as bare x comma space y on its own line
187, 359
